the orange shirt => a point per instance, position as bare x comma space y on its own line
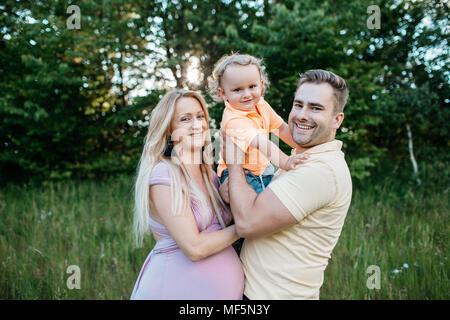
243, 126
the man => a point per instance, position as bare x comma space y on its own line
292, 227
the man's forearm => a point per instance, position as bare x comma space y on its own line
242, 198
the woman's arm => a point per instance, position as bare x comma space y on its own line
183, 228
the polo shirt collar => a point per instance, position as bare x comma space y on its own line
335, 145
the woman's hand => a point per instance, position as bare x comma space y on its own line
223, 191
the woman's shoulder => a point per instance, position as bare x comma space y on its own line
160, 174
160, 166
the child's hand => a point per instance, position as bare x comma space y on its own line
294, 160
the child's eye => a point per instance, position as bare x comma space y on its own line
237, 90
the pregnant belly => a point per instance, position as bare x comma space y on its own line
173, 276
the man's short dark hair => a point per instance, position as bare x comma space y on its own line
338, 83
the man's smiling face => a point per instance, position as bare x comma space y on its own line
313, 120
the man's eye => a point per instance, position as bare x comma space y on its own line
298, 106
317, 109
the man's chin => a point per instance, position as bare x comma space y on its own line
304, 143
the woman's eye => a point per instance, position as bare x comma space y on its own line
201, 116
184, 119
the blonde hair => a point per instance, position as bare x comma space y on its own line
181, 186
214, 81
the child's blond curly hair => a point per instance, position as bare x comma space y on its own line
227, 60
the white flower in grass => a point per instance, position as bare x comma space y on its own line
102, 255
42, 216
405, 265
49, 213
396, 271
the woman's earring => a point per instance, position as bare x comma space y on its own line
168, 151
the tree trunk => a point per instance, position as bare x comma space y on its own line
123, 87
411, 154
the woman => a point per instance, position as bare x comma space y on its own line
177, 199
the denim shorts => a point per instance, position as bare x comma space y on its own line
258, 183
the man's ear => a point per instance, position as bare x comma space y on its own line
338, 118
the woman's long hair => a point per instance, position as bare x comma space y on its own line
181, 186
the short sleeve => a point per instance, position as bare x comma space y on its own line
160, 174
242, 131
305, 189
275, 120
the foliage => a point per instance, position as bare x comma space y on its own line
69, 105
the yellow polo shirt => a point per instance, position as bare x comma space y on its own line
290, 264
243, 126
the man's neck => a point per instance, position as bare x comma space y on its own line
300, 149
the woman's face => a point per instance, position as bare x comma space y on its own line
189, 126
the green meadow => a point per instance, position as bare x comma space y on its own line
401, 228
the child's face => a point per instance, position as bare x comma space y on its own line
241, 86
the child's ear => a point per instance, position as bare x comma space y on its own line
220, 92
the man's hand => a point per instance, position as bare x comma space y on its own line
223, 191
232, 154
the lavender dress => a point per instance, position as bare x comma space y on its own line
168, 274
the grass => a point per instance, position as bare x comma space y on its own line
405, 237
45, 229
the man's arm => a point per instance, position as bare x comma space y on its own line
255, 215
